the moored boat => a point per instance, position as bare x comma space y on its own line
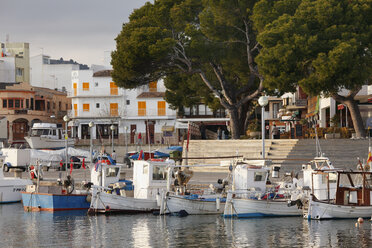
11, 187
55, 196
353, 197
149, 181
47, 136
251, 196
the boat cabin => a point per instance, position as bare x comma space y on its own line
150, 177
250, 175
110, 174
354, 188
315, 176
50, 130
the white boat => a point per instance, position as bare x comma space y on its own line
149, 181
250, 196
195, 204
352, 199
47, 136
10, 187
194, 201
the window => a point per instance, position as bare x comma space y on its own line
113, 88
59, 106
97, 105
159, 173
48, 106
27, 103
75, 89
128, 102
259, 176
141, 108
86, 107
114, 109
5, 101
10, 103
161, 108
96, 84
152, 86
19, 71
85, 86
75, 109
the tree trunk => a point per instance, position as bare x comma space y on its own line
234, 123
356, 117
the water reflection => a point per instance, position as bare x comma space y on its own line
76, 229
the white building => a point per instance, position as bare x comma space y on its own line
52, 73
95, 97
328, 107
7, 70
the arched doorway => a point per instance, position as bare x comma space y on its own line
20, 129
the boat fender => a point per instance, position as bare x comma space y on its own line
218, 202
89, 198
107, 208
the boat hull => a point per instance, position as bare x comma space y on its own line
320, 210
194, 206
47, 143
103, 202
10, 189
252, 208
54, 202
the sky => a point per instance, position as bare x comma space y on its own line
81, 30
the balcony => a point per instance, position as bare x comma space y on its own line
298, 104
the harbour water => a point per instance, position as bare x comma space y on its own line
76, 229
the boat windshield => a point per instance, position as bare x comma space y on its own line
39, 132
159, 173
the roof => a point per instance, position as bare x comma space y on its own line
4, 85
104, 73
151, 94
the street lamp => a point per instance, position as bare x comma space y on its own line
125, 139
66, 119
91, 124
263, 101
112, 127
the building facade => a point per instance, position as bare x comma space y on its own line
17, 54
22, 105
96, 98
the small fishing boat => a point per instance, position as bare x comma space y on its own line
149, 182
352, 199
61, 196
47, 136
11, 187
195, 201
251, 196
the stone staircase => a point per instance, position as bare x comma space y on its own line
289, 153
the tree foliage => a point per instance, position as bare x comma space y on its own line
322, 45
181, 39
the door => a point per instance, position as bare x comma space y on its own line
132, 133
19, 130
150, 132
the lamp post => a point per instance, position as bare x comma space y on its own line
91, 124
112, 127
66, 119
125, 139
263, 101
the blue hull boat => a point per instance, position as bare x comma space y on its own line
54, 202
